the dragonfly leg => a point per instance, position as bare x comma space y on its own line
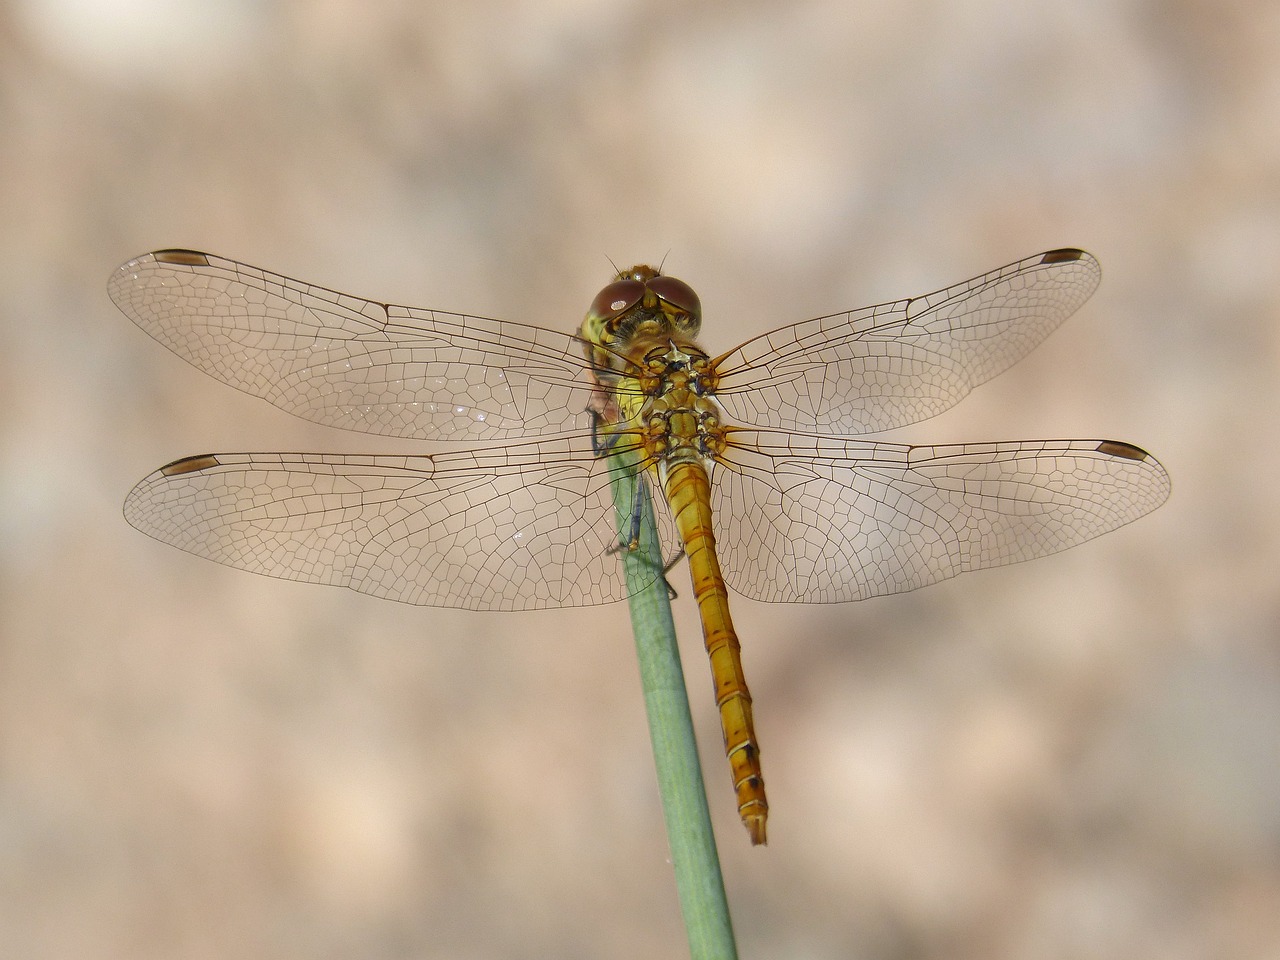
671, 591
632, 543
600, 447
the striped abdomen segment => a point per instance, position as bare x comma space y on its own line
688, 493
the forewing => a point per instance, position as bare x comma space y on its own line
825, 520
892, 364
352, 363
514, 528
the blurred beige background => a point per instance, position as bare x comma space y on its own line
1075, 758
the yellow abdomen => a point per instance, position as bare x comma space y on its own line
688, 491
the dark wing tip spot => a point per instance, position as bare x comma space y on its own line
190, 258
1117, 448
1064, 255
189, 465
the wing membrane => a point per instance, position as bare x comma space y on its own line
892, 364
352, 363
798, 518
828, 520
522, 527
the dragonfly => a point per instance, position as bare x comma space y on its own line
761, 453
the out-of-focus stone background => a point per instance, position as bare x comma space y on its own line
1075, 758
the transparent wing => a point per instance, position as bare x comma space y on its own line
896, 363
357, 364
829, 520
515, 528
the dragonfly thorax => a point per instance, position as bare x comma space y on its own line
669, 405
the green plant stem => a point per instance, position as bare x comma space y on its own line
699, 883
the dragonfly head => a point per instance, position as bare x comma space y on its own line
640, 305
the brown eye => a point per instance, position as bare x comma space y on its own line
618, 297
678, 294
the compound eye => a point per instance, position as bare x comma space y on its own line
617, 298
677, 293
